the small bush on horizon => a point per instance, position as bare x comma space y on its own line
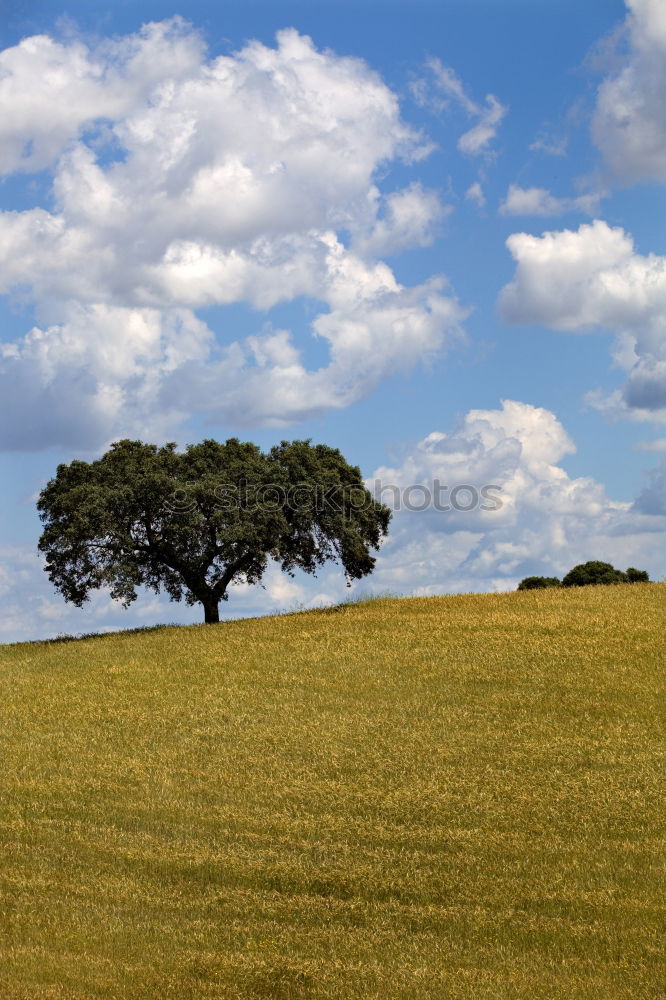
594, 572
585, 575
538, 582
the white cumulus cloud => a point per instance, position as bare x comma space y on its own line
410, 219
594, 278
51, 92
180, 183
109, 370
99, 373
547, 522
629, 123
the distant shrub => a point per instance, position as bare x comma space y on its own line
591, 573
585, 575
594, 572
538, 582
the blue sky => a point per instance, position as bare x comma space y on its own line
429, 233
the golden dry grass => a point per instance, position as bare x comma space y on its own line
420, 799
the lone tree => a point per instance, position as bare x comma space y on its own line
194, 522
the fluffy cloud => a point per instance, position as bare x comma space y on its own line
110, 370
410, 219
449, 87
99, 373
51, 92
181, 183
539, 201
629, 124
593, 278
547, 522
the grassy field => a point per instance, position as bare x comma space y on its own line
420, 799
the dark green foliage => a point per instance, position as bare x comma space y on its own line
538, 582
586, 574
594, 572
193, 523
637, 575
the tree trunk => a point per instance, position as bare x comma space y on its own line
211, 611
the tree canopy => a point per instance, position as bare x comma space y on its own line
192, 523
585, 575
594, 572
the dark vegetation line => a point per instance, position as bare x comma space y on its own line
587, 574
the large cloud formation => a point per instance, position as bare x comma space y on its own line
629, 123
593, 278
180, 183
547, 521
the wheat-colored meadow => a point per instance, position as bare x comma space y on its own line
451, 798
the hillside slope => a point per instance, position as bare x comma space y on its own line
452, 797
